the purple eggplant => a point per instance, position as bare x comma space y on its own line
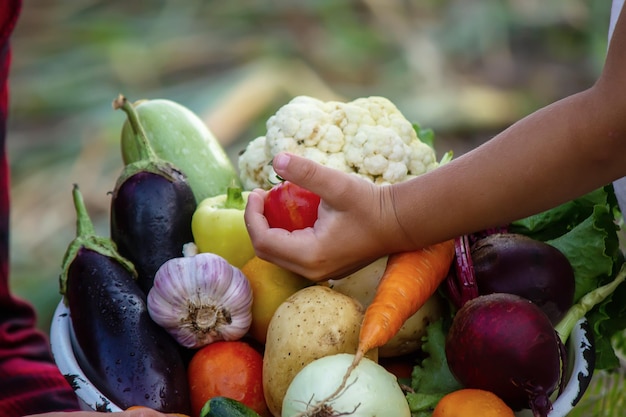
151, 207
125, 354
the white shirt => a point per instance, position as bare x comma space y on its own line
619, 185
615, 9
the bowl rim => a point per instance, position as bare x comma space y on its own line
581, 367
61, 345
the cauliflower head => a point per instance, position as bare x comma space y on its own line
368, 137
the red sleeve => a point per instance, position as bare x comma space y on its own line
29, 381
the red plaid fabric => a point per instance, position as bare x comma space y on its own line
29, 381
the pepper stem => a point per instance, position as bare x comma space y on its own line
234, 198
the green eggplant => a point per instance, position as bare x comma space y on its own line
178, 135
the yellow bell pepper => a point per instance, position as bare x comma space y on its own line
218, 227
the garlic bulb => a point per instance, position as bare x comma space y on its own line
201, 299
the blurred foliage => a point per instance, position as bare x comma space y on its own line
466, 68
605, 396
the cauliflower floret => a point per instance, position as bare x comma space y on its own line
368, 136
303, 123
423, 159
379, 151
253, 168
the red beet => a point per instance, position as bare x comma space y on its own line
518, 264
505, 344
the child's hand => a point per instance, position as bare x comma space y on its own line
350, 231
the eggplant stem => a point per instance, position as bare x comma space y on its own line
84, 225
145, 149
86, 238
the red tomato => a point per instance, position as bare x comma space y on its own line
291, 207
230, 369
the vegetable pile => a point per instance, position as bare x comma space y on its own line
175, 312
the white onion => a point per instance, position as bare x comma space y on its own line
371, 391
201, 299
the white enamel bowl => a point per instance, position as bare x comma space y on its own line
580, 367
61, 344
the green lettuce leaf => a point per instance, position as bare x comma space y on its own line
592, 249
431, 378
555, 222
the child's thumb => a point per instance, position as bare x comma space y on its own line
304, 172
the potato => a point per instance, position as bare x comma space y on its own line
312, 323
362, 284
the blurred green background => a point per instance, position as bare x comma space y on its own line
466, 68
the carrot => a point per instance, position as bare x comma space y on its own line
409, 280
